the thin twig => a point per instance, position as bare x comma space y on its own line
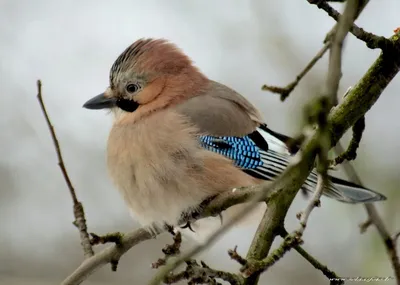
108, 255
233, 254
108, 238
255, 267
313, 261
56, 144
371, 40
335, 56
169, 250
202, 274
351, 152
365, 225
375, 219
395, 237
285, 91
79, 214
290, 241
194, 272
314, 202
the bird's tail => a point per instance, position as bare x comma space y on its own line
349, 192
276, 159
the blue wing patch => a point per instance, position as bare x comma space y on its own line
242, 150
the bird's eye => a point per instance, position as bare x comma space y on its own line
132, 88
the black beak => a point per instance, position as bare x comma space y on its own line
100, 102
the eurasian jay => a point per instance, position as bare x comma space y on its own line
179, 137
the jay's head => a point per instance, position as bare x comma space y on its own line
148, 70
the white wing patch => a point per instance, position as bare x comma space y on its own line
274, 143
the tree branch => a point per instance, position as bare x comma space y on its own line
371, 40
194, 272
351, 152
79, 214
366, 92
313, 261
203, 274
335, 57
375, 219
108, 255
285, 91
314, 202
258, 253
127, 241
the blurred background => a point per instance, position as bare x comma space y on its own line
71, 45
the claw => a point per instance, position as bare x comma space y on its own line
188, 225
221, 218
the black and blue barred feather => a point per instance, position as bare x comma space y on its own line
242, 150
251, 153
263, 154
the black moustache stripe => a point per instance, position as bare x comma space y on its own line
127, 105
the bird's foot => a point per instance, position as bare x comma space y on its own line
193, 214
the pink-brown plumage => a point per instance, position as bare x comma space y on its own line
154, 156
159, 177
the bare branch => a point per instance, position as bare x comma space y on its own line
108, 238
194, 272
335, 57
289, 242
79, 214
285, 91
365, 225
127, 241
371, 40
255, 267
202, 274
233, 254
351, 152
396, 236
314, 202
375, 219
169, 250
314, 262
226, 200
108, 255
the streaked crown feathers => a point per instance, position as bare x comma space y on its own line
150, 57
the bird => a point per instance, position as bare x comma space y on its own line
179, 138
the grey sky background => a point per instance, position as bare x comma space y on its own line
71, 46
